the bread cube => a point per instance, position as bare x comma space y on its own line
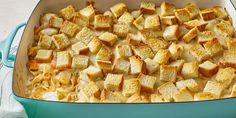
220, 12
152, 22
171, 33
102, 22
131, 87
183, 95
81, 21
191, 84
208, 69
232, 45
80, 62
79, 48
45, 41
206, 36
182, 15
121, 30
167, 9
112, 97
88, 12
193, 9
175, 50
190, 70
67, 13
190, 35
147, 82
118, 9
48, 31
56, 22
156, 98
204, 96
156, 44
143, 51
44, 56
104, 54
178, 63
85, 35
64, 77
113, 82
145, 34
168, 73
92, 73
123, 51
213, 47
168, 90
229, 59
169, 20
133, 39
162, 56
126, 18
214, 88
121, 66
200, 24
137, 98
139, 22
207, 14
94, 45
91, 89
199, 52
63, 60
108, 38
224, 28
151, 65
233, 92
45, 18
105, 65
136, 65
225, 76
147, 7
61, 41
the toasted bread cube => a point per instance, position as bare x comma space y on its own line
80, 62
162, 56
190, 35
151, 65
145, 34
126, 18
232, 45
220, 12
45, 41
229, 59
133, 39
224, 28
139, 22
143, 51
199, 52
167, 9
207, 14
94, 45
81, 21
168, 73
102, 22
213, 47
171, 33
136, 65
88, 12
44, 20
225, 76
182, 15
178, 63
131, 87
123, 51
193, 9
147, 82
118, 9
67, 13
233, 92
175, 50
85, 35
48, 31
206, 36
121, 30
183, 95
204, 96
92, 72
56, 22
79, 48
61, 41
121, 66
156, 98
168, 90
113, 82
169, 20
156, 44
63, 60
112, 97
147, 7
190, 70
152, 22
200, 24
105, 65
108, 38
44, 56
208, 69
91, 89
104, 54
214, 88
191, 84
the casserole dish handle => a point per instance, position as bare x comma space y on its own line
5, 46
